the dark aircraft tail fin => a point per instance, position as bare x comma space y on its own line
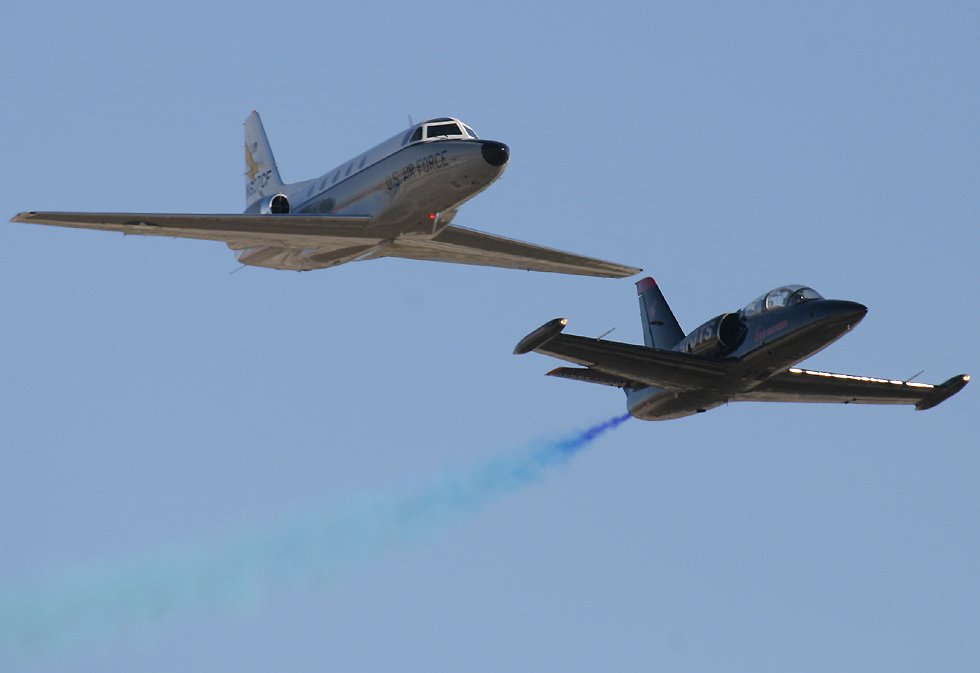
660, 328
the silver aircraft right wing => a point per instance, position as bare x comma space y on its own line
468, 246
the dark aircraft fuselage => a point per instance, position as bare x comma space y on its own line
747, 355
771, 343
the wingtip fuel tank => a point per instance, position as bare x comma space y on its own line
541, 336
943, 392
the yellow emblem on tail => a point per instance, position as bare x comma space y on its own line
253, 166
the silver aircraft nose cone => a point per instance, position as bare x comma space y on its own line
494, 153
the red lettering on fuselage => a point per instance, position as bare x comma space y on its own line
763, 333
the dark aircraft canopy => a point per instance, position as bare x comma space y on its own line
780, 298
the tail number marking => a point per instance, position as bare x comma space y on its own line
258, 183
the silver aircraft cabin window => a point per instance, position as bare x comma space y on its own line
470, 132
417, 135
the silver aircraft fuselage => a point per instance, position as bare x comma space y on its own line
398, 200
406, 190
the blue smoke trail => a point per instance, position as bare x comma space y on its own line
310, 549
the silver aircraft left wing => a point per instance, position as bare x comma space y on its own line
452, 244
272, 229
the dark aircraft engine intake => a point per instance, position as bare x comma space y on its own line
718, 336
276, 205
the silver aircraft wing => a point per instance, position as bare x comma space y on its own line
296, 230
626, 363
808, 385
467, 246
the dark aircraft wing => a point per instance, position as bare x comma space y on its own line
467, 246
286, 230
807, 385
630, 363
593, 376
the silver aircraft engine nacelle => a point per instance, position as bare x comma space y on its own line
540, 336
277, 204
719, 336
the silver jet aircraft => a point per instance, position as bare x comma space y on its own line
397, 199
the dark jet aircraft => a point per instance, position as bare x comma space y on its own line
748, 355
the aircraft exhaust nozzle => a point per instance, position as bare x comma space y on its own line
541, 336
276, 205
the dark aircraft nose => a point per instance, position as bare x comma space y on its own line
854, 310
849, 312
494, 153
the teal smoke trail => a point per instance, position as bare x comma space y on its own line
310, 549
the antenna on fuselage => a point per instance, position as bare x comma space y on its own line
606, 333
411, 122
916, 375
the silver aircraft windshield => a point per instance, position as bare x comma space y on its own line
780, 298
440, 129
443, 130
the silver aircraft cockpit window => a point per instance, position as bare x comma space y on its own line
447, 130
780, 298
436, 129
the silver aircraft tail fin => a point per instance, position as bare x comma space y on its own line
660, 328
261, 173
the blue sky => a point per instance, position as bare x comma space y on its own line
155, 407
